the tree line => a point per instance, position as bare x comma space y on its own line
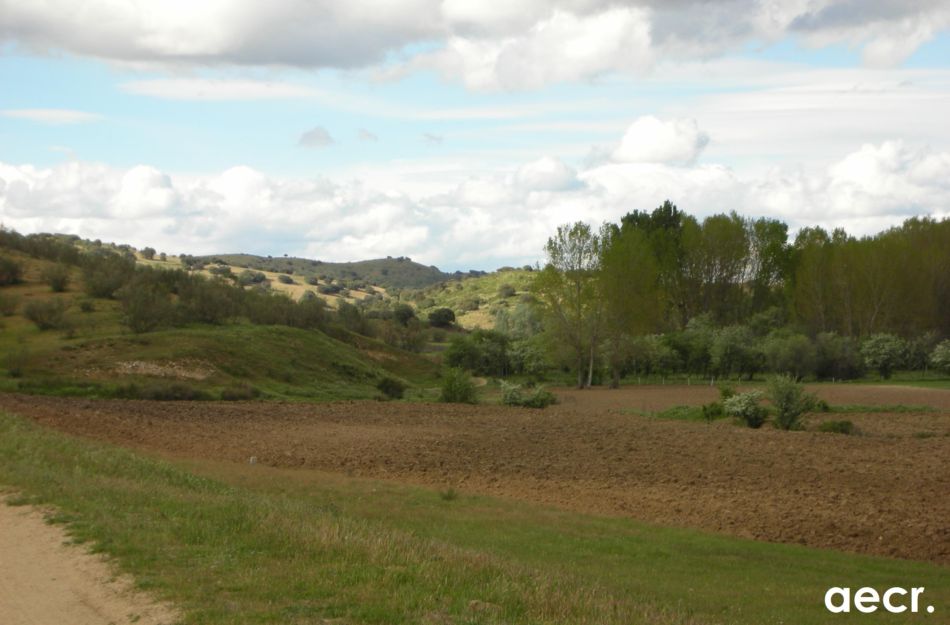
663, 291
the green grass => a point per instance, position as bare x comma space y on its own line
252, 544
458, 294
891, 408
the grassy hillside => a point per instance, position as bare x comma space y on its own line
475, 299
387, 272
91, 353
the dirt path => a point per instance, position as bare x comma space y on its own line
46, 582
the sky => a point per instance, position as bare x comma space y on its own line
461, 133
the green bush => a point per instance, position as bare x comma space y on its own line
441, 317
940, 357
458, 388
16, 360
515, 395
162, 391
837, 427
884, 352
146, 306
713, 411
747, 408
506, 290
391, 387
11, 272
285, 279
104, 274
57, 277
48, 314
790, 401
239, 392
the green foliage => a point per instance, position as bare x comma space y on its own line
391, 387
148, 253
402, 313
837, 427
47, 314
883, 352
146, 304
517, 395
940, 357
506, 290
105, 273
747, 408
484, 352
11, 272
162, 391
458, 388
837, 357
789, 354
285, 279
250, 278
16, 360
441, 318
57, 277
790, 401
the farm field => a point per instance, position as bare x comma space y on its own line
880, 492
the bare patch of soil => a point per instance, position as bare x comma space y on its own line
883, 492
43, 580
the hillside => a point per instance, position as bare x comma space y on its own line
91, 353
476, 299
390, 272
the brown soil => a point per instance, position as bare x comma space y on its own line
43, 580
882, 492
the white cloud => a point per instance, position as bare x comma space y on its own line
512, 45
317, 137
219, 89
650, 140
55, 117
482, 222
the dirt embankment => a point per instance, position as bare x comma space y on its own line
882, 492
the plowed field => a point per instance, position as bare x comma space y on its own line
885, 491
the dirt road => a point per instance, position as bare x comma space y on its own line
44, 581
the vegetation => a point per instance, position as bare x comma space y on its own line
747, 407
391, 388
458, 388
837, 427
57, 277
790, 401
46, 314
517, 395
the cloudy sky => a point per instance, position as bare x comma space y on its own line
462, 132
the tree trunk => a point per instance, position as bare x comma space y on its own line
590, 368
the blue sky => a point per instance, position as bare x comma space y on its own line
458, 133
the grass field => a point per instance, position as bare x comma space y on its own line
238, 543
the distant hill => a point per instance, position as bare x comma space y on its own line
389, 272
476, 299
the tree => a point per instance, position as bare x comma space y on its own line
567, 289
883, 352
441, 318
148, 253
940, 358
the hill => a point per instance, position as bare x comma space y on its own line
90, 352
476, 299
389, 272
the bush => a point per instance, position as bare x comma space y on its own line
515, 395
940, 358
713, 411
239, 392
8, 304
16, 360
837, 427
162, 391
11, 272
458, 388
148, 253
747, 408
883, 352
57, 277
49, 314
790, 401
506, 290
441, 318
391, 387
146, 305
104, 274
285, 279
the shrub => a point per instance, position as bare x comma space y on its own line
87, 305
391, 387
104, 274
940, 358
747, 408
162, 391
883, 352
285, 279
11, 272
402, 313
458, 388
57, 277
515, 395
146, 305
713, 411
46, 314
790, 401
837, 427
506, 290
239, 392
441, 317
248, 278
312, 280
16, 360
8, 304
148, 253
